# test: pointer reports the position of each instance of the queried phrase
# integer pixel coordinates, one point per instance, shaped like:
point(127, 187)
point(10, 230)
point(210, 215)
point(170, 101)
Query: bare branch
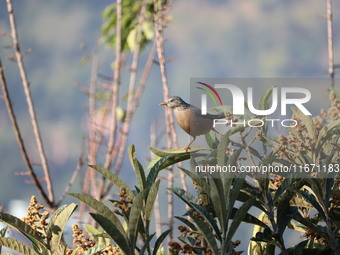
point(330, 40)
point(131, 98)
point(135, 103)
point(170, 126)
point(72, 180)
point(19, 138)
point(31, 110)
point(115, 85)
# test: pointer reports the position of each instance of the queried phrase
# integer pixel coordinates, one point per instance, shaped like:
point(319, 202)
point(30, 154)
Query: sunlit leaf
point(114, 232)
point(17, 246)
point(101, 209)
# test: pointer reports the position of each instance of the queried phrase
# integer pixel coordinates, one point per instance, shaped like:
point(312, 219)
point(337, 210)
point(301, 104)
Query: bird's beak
point(162, 103)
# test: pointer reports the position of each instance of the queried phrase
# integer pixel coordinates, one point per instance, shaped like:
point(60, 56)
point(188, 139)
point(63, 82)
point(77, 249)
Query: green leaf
point(287, 183)
point(112, 230)
point(221, 149)
point(137, 167)
point(146, 244)
point(154, 171)
point(238, 218)
point(199, 180)
point(249, 218)
point(151, 200)
point(53, 218)
point(264, 101)
point(93, 231)
point(59, 250)
point(173, 160)
point(17, 246)
point(218, 200)
point(308, 223)
point(209, 219)
point(326, 133)
point(135, 214)
point(148, 30)
point(211, 139)
point(176, 152)
point(187, 222)
point(163, 163)
point(3, 231)
point(307, 121)
point(95, 249)
point(21, 226)
point(234, 192)
point(207, 233)
point(311, 199)
point(184, 195)
point(114, 179)
point(285, 212)
point(101, 209)
point(131, 39)
point(159, 241)
point(59, 224)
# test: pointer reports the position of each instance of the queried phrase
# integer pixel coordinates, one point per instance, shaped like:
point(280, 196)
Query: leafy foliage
point(223, 201)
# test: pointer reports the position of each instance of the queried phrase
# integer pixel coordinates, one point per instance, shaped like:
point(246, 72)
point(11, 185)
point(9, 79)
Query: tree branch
point(19, 138)
point(31, 110)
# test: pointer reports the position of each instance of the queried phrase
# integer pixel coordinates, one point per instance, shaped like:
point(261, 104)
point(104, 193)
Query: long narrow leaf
point(95, 250)
point(112, 230)
point(160, 240)
point(207, 233)
point(287, 183)
point(114, 179)
point(187, 222)
point(238, 218)
point(311, 199)
point(17, 246)
point(219, 201)
point(146, 244)
point(307, 121)
point(210, 220)
point(151, 200)
point(234, 192)
point(134, 217)
point(101, 209)
point(137, 167)
point(59, 224)
point(21, 226)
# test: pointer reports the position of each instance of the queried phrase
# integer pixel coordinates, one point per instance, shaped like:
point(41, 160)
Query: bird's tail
point(216, 116)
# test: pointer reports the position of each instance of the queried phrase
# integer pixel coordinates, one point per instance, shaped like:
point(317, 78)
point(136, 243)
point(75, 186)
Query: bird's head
point(174, 102)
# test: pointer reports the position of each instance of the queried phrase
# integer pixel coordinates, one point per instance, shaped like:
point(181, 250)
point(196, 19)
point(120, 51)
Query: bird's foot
point(186, 148)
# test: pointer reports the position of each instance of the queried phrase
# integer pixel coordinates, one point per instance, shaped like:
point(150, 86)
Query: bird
point(190, 119)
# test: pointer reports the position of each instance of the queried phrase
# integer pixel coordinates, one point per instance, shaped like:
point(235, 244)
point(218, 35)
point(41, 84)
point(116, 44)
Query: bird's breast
point(193, 122)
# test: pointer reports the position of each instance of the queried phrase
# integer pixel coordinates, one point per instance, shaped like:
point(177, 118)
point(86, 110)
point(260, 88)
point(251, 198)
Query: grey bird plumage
point(190, 119)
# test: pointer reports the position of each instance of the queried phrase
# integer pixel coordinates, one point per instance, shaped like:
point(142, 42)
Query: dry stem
point(31, 110)
point(19, 138)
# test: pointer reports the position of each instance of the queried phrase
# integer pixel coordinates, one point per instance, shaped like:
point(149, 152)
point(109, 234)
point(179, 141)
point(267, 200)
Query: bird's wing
point(197, 112)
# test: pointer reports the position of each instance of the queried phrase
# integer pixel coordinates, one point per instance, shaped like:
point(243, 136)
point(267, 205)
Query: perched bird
point(190, 119)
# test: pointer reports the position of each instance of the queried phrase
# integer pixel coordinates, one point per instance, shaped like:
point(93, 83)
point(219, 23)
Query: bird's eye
point(171, 100)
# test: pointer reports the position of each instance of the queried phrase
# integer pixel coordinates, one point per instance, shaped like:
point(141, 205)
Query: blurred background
point(208, 39)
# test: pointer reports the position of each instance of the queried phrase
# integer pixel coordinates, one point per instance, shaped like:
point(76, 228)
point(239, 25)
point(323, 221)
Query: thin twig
point(129, 112)
point(72, 180)
point(136, 100)
point(330, 41)
point(19, 138)
point(92, 112)
point(170, 126)
point(115, 85)
point(31, 109)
